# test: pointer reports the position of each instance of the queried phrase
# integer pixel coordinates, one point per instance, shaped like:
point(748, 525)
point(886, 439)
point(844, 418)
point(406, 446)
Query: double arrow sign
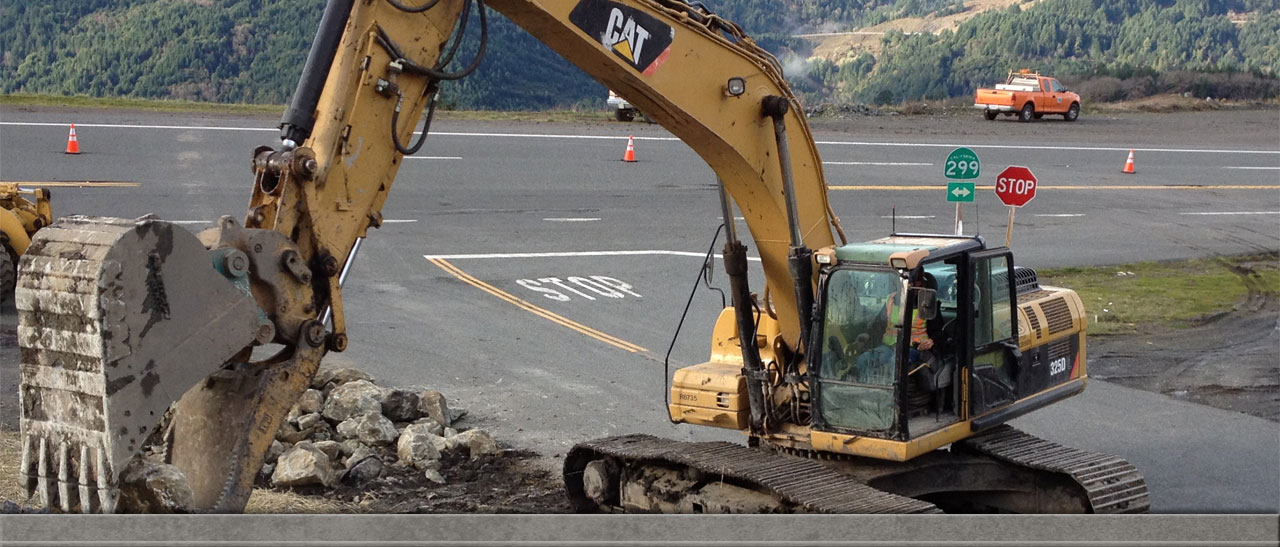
point(962, 163)
point(960, 191)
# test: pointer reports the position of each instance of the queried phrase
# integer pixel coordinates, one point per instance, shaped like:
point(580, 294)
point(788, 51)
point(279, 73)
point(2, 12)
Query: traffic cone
point(631, 150)
point(73, 146)
point(1128, 164)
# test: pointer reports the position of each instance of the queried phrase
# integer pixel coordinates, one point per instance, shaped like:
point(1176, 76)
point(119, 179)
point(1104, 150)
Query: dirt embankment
point(1229, 360)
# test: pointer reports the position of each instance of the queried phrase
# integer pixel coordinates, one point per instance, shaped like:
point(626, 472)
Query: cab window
point(858, 366)
point(1057, 87)
point(994, 319)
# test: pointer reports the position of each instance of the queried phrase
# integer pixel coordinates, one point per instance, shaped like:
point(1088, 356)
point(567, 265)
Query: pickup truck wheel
point(1028, 112)
point(1072, 113)
point(623, 115)
point(990, 114)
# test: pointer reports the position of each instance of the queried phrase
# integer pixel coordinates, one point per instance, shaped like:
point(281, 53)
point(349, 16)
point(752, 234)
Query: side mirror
point(926, 303)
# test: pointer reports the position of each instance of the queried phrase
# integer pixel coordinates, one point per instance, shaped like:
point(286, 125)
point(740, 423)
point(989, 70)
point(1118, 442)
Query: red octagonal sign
point(1015, 186)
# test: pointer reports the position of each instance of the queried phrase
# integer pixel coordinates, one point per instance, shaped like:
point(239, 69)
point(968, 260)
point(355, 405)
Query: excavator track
point(1111, 484)
point(1035, 475)
point(797, 484)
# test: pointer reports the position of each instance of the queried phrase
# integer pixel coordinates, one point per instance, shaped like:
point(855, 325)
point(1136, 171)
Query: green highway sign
point(962, 164)
point(960, 191)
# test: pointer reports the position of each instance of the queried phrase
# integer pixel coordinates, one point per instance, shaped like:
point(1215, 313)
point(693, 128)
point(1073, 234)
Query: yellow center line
point(529, 307)
point(1076, 187)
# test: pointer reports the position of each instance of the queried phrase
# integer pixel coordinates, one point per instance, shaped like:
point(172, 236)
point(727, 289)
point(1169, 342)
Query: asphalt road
point(537, 213)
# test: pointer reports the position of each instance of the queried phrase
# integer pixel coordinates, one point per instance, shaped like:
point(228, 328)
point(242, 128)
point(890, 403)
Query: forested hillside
point(251, 51)
point(1142, 40)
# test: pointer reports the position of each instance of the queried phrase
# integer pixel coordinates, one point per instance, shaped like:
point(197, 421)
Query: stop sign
point(1015, 186)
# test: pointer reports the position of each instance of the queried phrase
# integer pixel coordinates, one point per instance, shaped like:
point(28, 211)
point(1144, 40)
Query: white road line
point(642, 138)
point(573, 254)
point(585, 219)
point(399, 220)
point(133, 126)
point(1234, 213)
point(1026, 147)
point(909, 216)
point(1061, 215)
point(1254, 168)
point(433, 157)
point(872, 163)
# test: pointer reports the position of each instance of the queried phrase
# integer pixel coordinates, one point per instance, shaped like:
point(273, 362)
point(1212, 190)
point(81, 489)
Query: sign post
point(1015, 186)
point(961, 164)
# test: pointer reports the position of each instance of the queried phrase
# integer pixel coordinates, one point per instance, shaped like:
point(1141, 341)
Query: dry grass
point(273, 502)
point(10, 458)
point(262, 501)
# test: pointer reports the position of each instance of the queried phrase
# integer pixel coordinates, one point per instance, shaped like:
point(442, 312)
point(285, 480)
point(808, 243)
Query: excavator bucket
point(117, 320)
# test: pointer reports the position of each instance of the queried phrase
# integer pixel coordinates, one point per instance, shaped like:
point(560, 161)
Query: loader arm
point(119, 318)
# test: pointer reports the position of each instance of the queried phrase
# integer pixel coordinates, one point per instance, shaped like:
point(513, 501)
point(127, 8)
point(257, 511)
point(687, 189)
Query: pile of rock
point(841, 110)
point(346, 430)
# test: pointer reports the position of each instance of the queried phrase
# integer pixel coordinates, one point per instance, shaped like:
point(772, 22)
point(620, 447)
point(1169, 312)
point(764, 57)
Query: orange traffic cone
point(631, 149)
point(73, 146)
point(1128, 164)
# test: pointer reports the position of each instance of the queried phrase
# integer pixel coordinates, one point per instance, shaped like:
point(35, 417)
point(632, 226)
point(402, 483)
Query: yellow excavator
point(20, 217)
point(122, 320)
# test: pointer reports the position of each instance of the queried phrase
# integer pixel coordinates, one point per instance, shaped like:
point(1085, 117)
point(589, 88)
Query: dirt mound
point(1226, 360)
point(511, 481)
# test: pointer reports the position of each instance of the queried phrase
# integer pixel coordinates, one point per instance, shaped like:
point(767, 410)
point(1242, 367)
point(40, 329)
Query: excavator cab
point(879, 300)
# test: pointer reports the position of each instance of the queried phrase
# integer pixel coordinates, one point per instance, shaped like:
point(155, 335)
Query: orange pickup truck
point(1029, 95)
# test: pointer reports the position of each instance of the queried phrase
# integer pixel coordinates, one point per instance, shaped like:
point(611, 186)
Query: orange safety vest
point(918, 331)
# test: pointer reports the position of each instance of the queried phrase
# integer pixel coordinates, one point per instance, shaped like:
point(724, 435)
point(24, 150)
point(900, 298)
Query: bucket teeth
point(70, 477)
point(42, 477)
point(64, 477)
point(107, 492)
point(86, 495)
point(25, 474)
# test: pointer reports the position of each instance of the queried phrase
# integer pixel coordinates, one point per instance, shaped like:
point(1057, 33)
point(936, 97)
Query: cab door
point(1055, 96)
point(993, 334)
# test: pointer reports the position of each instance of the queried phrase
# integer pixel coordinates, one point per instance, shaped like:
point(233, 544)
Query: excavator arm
point(120, 320)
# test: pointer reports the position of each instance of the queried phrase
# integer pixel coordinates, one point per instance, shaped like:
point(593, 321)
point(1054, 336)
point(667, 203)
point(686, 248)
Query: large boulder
point(148, 486)
point(477, 442)
point(416, 448)
point(432, 425)
point(311, 401)
point(302, 465)
point(352, 399)
point(434, 405)
point(347, 430)
point(362, 470)
point(401, 405)
point(374, 429)
point(343, 376)
point(331, 449)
